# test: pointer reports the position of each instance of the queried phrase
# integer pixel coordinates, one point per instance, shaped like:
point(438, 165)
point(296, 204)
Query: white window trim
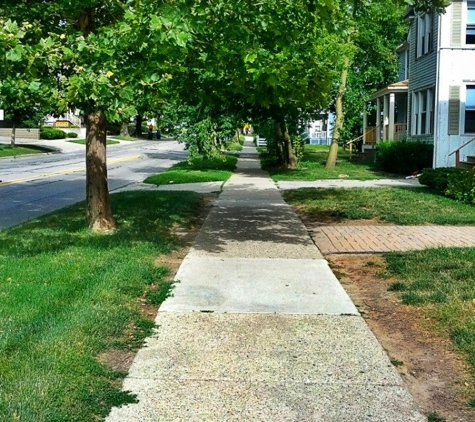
point(424, 35)
point(418, 114)
point(466, 22)
point(463, 101)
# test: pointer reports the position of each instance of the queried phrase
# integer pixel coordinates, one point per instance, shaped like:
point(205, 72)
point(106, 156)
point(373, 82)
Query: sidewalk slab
point(242, 285)
point(218, 367)
point(254, 232)
point(224, 401)
point(264, 348)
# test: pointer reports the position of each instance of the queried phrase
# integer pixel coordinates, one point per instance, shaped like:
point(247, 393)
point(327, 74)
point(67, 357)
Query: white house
point(434, 99)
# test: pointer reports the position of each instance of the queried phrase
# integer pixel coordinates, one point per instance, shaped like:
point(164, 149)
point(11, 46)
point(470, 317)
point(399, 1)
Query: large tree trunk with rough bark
point(340, 117)
point(99, 213)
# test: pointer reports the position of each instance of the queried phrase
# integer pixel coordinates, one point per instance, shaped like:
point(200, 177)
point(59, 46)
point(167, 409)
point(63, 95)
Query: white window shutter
point(454, 110)
point(456, 30)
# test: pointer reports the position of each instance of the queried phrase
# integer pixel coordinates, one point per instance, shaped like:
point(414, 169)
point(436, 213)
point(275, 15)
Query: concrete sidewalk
point(259, 328)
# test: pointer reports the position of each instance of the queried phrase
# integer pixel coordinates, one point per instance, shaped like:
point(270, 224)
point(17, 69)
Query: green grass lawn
point(392, 205)
point(235, 146)
point(198, 170)
point(8, 151)
point(83, 141)
point(442, 283)
point(312, 167)
point(68, 295)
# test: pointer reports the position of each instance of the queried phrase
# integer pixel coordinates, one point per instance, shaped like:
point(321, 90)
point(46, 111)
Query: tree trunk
point(279, 139)
point(13, 135)
point(124, 129)
point(291, 160)
point(99, 213)
point(138, 126)
point(332, 155)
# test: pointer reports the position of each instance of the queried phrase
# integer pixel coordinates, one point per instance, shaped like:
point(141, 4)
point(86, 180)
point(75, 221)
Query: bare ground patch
point(437, 376)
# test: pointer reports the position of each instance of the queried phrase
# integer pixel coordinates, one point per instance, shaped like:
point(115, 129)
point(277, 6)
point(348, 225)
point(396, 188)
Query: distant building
point(320, 132)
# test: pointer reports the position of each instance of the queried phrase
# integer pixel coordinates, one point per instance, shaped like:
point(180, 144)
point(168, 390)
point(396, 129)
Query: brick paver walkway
point(379, 239)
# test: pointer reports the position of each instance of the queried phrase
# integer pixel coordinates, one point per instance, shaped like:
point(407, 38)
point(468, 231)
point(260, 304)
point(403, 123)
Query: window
point(470, 28)
point(424, 34)
point(422, 112)
point(470, 109)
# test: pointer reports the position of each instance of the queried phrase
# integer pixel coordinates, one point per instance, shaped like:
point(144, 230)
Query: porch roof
point(401, 86)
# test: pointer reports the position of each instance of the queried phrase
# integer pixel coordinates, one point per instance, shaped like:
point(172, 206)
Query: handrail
point(353, 140)
point(464, 145)
point(457, 152)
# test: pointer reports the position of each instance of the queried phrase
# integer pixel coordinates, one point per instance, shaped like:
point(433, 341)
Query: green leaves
point(15, 54)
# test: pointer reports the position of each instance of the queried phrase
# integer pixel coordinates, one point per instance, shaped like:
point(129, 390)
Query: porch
point(385, 115)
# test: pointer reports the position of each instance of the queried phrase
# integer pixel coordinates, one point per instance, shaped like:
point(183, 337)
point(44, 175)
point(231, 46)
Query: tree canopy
point(277, 59)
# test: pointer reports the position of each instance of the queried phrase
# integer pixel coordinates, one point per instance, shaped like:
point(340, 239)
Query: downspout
point(437, 119)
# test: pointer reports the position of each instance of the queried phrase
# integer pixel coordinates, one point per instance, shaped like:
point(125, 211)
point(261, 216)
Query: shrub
point(461, 186)
point(438, 179)
point(74, 126)
point(52, 133)
point(71, 135)
point(403, 157)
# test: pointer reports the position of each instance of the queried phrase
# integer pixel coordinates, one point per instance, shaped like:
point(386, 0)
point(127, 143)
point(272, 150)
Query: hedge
point(461, 186)
point(403, 157)
point(52, 133)
point(438, 179)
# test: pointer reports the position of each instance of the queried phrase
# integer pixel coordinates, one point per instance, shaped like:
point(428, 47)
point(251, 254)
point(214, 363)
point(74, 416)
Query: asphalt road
point(36, 185)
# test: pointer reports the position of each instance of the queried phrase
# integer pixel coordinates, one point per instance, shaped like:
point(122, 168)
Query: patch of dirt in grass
point(330, 218)
point(121, 360)
point(438, 378)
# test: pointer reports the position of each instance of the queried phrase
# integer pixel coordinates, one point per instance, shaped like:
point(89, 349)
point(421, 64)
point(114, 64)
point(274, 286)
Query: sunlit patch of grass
point(407, 206)
point(67, 295)
point(197, 170)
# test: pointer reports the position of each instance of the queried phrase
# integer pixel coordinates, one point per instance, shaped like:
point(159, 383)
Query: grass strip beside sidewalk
point(8, 151)
point(69, 295)
point(197, 170)
point(396, 205)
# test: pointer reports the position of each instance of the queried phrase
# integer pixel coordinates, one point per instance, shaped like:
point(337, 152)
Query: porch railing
point(400, 132)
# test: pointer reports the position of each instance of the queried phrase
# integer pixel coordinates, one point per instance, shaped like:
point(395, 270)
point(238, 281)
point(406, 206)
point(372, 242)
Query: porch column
point(385, 118)
point(365, 124)
point(392, 111)
point(378, 119)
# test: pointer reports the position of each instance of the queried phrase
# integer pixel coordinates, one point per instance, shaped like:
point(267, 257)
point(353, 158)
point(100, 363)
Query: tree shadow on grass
point(141, 217)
